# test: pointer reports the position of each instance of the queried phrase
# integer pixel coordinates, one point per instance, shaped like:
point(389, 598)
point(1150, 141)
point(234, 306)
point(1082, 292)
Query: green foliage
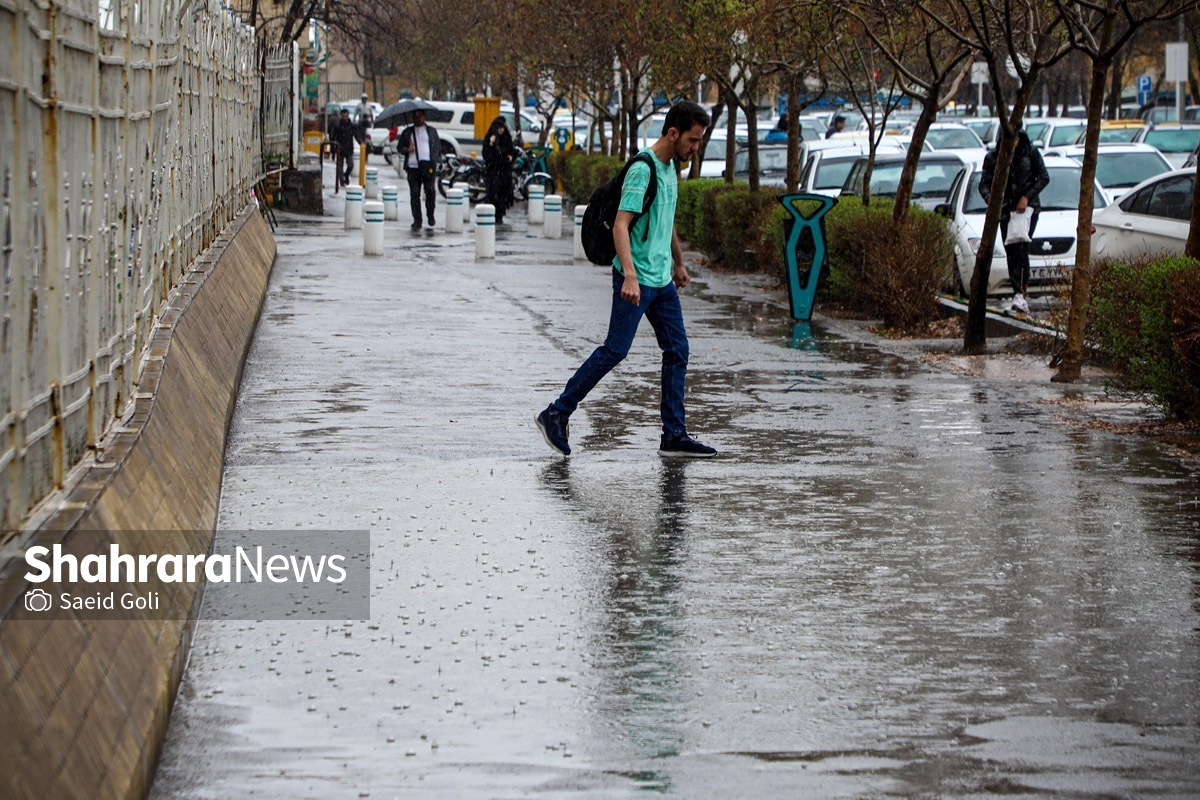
point(1146, 316)
point(887, 269)
point(582, 174)
point(690, 193)
point(740, 214)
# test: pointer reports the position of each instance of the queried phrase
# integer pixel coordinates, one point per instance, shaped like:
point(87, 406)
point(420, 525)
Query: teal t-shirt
point(651, 258)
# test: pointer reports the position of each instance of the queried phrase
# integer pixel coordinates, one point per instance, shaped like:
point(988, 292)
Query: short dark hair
point(685, 115)
point(839, 118)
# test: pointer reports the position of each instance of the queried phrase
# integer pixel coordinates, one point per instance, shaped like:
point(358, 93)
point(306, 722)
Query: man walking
point(346, 136)
point(646, 276)
point(424, 150)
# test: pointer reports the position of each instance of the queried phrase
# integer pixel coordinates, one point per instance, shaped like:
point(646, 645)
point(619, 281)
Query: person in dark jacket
point(498, 158)
point(421, 149)
point(345, 135)
point(1027, 177)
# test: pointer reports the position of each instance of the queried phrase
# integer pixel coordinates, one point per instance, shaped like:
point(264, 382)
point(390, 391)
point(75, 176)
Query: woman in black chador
point(498, 156)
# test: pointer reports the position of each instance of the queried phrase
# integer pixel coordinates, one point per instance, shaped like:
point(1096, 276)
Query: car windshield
point(1180, 140)
point(1034, 130)
point(982, 128)
point(769, 160)
point(933, 178)
point(1111, 135)
point(1065, 134)
point(832, 172)
point(1122, 170)
point(953, 139)
point(1061, 194)
point(715, 150)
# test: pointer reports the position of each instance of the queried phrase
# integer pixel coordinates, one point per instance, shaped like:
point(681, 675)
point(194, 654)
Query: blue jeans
point(660, 306)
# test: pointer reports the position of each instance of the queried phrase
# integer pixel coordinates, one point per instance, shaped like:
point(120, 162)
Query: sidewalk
point(895, 580)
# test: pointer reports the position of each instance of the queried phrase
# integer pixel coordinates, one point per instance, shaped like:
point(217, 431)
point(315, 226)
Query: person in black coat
point(498, 150)
point(1027, 177)
point(345, 135)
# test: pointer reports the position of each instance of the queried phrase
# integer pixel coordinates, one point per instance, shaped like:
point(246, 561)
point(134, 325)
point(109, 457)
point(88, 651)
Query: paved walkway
point(895, 581)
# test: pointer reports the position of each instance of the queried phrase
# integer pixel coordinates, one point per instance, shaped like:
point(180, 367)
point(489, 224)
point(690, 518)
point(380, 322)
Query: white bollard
point(552, 227)
point(373, 228)
point(485, 231)
point(391, 202)
point(354, 207)
point(579, 254)
point(455, 203)
point(537, 204)
point(372, 186)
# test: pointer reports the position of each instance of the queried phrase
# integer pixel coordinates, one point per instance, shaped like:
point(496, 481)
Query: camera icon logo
point(37, 600)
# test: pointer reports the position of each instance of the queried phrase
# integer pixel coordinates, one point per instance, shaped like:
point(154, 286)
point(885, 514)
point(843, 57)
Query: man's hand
point(630, 291)
point(680, 276)
point(1022, 204)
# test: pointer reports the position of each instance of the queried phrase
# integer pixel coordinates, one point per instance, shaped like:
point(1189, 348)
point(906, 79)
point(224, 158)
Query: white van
point(458, 120)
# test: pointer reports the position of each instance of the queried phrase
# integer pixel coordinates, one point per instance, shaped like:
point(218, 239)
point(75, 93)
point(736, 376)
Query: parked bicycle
point(530, 167)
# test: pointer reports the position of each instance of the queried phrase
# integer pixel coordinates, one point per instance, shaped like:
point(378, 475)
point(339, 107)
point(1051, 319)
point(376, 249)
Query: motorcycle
point(462, 172)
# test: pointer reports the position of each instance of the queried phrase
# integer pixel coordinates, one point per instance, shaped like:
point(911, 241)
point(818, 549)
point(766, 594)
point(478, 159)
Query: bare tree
point(1021, 37)
point(931, 65)
point(1098, 30)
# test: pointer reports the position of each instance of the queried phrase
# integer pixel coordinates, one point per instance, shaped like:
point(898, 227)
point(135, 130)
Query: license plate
point(1050, 273)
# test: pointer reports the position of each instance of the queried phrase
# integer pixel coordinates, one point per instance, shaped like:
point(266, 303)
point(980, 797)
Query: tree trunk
point(975, 336)
point(1116, 84)
point(793, 133)
point(1192, 248)
point(752, 143)
point(929, 105)
point(1081, 277)
point(730, 133)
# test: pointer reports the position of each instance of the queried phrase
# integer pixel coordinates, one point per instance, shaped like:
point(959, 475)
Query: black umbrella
point(398, 114)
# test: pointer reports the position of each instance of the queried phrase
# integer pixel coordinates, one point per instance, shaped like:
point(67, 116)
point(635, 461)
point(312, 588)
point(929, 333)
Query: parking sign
point(1145, 84)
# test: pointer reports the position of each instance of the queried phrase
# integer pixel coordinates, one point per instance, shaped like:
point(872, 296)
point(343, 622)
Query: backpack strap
point(651, 190)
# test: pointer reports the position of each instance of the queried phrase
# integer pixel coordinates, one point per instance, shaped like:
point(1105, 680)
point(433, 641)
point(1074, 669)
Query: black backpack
point(597, 229)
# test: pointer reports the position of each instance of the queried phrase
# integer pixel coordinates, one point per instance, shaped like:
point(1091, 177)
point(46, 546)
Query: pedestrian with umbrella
point(421, 149)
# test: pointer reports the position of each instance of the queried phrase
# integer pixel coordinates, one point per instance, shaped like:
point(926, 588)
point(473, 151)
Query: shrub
point(887, 269)
point(690, 193)
point(1145, 315)
point(582, 174)
point(739, 216)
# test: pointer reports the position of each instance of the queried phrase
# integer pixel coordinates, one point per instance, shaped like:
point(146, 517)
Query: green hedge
point(582, 174)
point(1146, 316)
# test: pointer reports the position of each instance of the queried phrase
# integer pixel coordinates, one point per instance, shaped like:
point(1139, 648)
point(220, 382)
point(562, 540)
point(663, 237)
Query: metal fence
point(129, 138)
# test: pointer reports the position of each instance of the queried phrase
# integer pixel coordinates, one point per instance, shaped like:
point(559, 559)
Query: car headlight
point(974, 243)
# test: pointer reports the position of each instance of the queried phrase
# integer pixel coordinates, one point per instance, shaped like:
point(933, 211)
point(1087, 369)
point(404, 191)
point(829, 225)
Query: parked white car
point(1151, 219)
point(1119, 167)
point(1054, 131)
point(1176, 141)
point(1052, 254)
point(951, 137)
point(824, 164)
point(986, 128)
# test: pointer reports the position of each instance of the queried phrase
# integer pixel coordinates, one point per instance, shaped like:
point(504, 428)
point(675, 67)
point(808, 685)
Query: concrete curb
point(86, 703)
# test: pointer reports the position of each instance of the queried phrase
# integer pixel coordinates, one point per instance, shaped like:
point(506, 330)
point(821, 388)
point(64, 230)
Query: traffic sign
point(1145, 84)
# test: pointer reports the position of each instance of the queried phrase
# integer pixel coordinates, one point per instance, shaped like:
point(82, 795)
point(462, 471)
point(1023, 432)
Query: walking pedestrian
point(647, 274)
point(1027, 177)
point(498, 159)
point(346, 136)
point(424, 150)
point(362, 111)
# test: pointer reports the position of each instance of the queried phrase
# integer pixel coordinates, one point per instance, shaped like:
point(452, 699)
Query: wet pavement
point(896, 580)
